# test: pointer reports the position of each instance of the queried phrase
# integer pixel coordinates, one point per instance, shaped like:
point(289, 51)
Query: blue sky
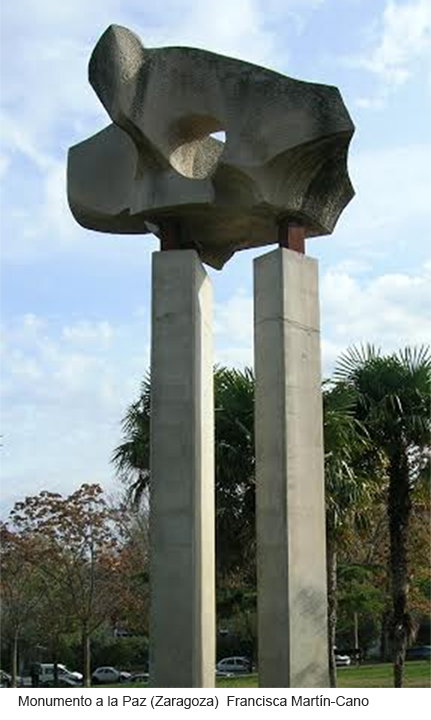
point(75, 304)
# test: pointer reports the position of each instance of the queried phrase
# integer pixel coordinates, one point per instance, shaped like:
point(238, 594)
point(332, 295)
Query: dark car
point(5, 679)
point(420, 652)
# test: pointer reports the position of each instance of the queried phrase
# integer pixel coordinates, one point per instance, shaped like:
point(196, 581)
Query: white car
point(109, 674)
point(342, 660)
point(68, 677)
point(237, 665)
point(139, 677)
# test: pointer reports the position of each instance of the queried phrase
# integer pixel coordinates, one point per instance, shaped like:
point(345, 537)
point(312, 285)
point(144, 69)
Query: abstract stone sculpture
point(280, 176)
point(157, 168)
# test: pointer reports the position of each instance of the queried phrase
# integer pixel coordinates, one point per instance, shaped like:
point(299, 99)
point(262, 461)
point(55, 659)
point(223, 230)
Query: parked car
point(5, 679)
point(140, 677)
point(68, 678)
point(420, 652)
point(108, 674)
point(235, 665)
point(342, 660)
point(62, 682)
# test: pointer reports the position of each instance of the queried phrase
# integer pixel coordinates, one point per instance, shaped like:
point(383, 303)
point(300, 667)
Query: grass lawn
point(417, 675)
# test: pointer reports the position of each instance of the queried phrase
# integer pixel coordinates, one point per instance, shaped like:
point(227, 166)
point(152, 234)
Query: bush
point(125, 653)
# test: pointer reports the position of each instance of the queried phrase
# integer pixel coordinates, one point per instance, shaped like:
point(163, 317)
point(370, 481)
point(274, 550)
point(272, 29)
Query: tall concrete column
point(182, 616)
point(292, 605)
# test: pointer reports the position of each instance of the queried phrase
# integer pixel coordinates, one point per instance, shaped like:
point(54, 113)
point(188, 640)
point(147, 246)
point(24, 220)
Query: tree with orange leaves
point(72, 543)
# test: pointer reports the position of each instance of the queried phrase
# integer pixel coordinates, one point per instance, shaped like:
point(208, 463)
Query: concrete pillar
point(292, 605)
point(182, 615)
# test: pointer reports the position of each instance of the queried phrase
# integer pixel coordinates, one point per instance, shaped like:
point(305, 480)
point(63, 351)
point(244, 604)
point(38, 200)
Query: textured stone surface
point(182, 616)
point(284, 156)
point(290, 509)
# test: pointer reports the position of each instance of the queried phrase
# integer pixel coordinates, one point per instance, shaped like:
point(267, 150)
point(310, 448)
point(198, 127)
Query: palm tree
point(131, 459)
point(348, 492)
point(235, 471)
point(234, 461)
point(393, 401)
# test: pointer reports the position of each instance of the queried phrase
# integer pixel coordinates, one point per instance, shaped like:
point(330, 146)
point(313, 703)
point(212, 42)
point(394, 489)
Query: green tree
point(131, 458)
point(348, 492)
point(394, 402)
point(235, 472)
point(22, 588)
point(361, 601)
point(234, 463)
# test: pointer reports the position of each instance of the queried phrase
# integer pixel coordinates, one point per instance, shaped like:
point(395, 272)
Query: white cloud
point(247, 29)
point(405, 36)
point(4, 164)
point(232, 28)
point(19, 139)
point(391, 311)
point(25, 332)
point(24, 367)
point(93, 363)
point(330, 351)
point(44, 211)
point(33, 323)
point(76, 372)
point(393, 187)
point(235, 356)
point(352, 266)
point(64, 391)
point(371, 103)
point(84, 331)
point(402, 39)
point(233, 330)
point(234, 317)
point(55, 213)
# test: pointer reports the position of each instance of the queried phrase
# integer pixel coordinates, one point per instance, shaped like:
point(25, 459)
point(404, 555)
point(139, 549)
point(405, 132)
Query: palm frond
point(131, 458)
point(416, 358)
point(352, 360)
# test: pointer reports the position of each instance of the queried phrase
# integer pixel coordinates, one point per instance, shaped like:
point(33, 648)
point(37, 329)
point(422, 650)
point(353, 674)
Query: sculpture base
point(182, 615)
point(290, 510)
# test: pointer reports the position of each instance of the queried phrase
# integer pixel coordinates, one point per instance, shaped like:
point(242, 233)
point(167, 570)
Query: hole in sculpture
point(220, 135)
point(200, 148)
